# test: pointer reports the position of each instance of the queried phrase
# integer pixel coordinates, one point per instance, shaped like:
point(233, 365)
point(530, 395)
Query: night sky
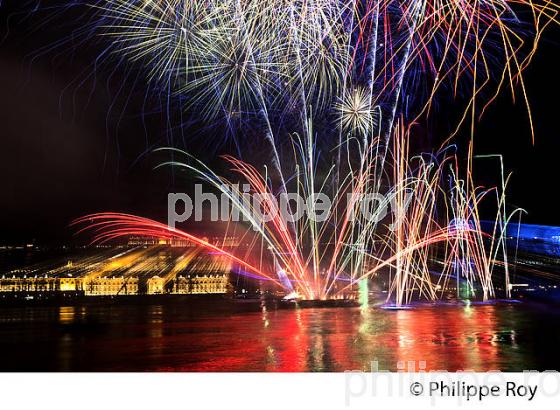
point(71, 145)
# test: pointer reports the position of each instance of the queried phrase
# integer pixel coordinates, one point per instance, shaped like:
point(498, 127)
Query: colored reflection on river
point(174, 338)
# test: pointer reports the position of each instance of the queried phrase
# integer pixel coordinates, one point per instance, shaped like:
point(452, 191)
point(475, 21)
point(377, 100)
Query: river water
point(172, 337)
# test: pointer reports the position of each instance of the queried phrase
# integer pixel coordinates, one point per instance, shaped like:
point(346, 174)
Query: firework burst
point(374, 66)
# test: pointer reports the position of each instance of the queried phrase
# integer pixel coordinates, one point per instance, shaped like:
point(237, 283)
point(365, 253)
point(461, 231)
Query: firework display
point(334, 89)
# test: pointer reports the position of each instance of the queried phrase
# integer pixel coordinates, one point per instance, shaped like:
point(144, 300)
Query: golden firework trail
point(360, 66)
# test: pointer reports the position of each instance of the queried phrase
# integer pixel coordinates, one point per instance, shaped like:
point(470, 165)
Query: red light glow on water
point(172, 338)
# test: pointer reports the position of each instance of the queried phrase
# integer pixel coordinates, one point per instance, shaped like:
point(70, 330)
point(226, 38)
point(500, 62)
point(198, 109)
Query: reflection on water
point(172, 337)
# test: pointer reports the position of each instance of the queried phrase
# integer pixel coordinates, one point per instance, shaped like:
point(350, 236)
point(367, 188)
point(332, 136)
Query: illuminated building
point(29, 284)
point(70, 284)
point(155, 285)
point(201, 285)
point(157, 269)
point(111, 286)
point(227, 241)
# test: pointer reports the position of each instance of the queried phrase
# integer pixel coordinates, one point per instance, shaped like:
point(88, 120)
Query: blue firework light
point(346, 81)
point(247, 60)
